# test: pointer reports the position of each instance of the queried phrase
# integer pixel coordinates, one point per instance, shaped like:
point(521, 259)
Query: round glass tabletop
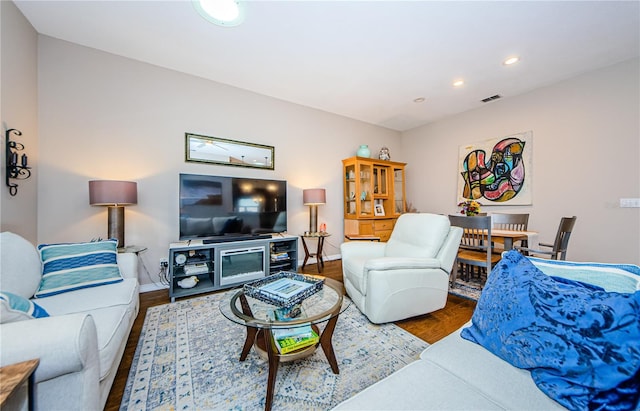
point(319, 307)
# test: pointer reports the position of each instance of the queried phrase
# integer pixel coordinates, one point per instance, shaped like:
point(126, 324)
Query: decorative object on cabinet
point(313, 197)
point(115, 195)
point(222, 151)
point(363, 151)
point(378, 182)
point(15, 171)
point(384, 154)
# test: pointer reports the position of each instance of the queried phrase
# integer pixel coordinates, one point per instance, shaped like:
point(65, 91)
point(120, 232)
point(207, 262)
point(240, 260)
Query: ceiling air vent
point(488, 99)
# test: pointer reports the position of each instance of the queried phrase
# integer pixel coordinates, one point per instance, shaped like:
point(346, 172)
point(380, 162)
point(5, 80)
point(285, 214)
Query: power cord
point(162, 276)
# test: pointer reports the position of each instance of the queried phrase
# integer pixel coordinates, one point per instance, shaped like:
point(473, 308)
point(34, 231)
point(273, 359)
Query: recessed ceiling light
point(511, 60)
point(458, 83)
point(419, 100)
point(226, 13)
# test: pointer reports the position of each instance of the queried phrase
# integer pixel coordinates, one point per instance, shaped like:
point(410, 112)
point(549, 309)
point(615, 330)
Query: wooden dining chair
point(475, 246)
point(512, 222)
point(557, 250)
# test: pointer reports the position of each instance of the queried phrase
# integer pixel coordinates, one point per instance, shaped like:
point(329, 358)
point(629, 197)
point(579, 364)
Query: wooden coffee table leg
point(274, 361)
point(248, 342)
point(251, 331)
point(327, 346)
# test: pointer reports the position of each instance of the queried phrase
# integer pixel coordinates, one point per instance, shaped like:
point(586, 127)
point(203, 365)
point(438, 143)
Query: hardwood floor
point(429, 327)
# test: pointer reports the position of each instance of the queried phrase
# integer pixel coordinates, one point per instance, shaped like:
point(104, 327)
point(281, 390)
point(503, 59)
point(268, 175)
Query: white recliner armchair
point(406, 276)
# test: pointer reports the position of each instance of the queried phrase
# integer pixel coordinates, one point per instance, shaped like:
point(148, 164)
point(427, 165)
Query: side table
point(13, 376)
point(320, 236)
point(136, 249)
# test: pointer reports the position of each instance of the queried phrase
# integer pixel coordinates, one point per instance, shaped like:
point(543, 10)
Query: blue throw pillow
point(72, 266)
point(581, 345)
point(17, 308)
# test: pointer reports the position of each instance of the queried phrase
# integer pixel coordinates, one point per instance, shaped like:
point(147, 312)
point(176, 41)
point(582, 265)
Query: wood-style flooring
point(429, 327)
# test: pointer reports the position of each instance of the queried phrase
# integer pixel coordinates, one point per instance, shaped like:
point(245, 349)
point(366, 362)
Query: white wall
point(107, 117)
point(586, 145)
point(19, 110)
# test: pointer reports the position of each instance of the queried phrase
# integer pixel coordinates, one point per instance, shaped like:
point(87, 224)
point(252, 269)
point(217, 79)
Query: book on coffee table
point(295, 342)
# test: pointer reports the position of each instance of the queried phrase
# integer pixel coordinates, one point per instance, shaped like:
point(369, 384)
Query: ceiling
point(366, 60)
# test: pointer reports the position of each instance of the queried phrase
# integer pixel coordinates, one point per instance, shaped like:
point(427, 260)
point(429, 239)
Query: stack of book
point(279, 256)
point(291, 339)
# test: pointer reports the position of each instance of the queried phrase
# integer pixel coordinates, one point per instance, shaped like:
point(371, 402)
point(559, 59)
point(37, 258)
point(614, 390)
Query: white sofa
point(81, 343)
point(406, 276)
point(457, 374)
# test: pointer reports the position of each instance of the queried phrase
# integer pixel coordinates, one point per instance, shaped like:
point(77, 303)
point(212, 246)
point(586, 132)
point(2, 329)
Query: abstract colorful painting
point(497, 171)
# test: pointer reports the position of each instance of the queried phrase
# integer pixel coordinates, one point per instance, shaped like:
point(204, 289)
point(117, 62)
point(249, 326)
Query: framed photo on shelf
point(378, 210)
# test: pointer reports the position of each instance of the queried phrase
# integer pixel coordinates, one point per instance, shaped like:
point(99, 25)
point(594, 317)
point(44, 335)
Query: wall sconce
point(313, 197)
point(15, 171)
point(115, 195)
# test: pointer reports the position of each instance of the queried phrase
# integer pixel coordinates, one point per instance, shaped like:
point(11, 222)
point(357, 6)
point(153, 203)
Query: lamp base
point(313, 219)
point(115, 224)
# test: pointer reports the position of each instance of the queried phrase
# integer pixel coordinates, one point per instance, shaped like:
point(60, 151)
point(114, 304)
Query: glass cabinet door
point(399, 199)
point(350, 190)
point(365, 196)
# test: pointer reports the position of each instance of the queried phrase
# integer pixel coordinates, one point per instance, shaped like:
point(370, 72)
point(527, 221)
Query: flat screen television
point(212, 207)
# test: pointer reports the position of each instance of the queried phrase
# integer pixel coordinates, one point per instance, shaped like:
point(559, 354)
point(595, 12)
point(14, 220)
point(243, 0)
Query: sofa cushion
point(20, 266)
point(73, 266)
point(581, 345)
point(621, 278)
point(14, 307)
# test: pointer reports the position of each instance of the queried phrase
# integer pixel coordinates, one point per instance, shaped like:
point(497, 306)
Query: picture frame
point(222, 151)
point(378, 209)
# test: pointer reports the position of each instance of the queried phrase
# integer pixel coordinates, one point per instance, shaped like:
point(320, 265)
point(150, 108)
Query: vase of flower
point(363, 151)
point(469, 208)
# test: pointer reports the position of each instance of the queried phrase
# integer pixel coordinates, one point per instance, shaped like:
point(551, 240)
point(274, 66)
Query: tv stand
point(234, 237)
point(230, 262)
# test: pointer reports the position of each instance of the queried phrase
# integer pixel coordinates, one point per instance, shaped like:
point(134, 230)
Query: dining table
point(508, 237)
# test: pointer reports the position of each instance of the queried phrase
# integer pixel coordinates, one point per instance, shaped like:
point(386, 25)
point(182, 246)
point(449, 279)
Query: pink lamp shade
point(111, 192)
point(314, 196)
point(115, 194)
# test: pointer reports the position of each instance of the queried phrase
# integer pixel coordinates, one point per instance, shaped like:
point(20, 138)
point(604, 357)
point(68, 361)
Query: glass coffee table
point(323, 307)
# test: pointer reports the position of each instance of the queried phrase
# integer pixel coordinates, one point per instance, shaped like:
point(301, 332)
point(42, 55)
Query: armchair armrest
point(360, 249)
point(399, 263)
point(64, 344)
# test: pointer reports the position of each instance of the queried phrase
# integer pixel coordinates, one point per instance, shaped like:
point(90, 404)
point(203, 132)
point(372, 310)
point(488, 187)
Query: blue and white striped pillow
point(72, 266)
point(17, 308)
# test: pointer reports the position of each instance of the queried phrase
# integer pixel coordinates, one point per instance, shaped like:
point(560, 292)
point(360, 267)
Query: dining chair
point(475, 245)
point(557, 250)
point(512, 222)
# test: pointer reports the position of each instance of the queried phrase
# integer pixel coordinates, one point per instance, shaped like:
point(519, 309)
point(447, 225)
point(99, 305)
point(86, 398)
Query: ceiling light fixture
point(511, 60)
point(226, 13)
point(458, 83)
point(419, 100)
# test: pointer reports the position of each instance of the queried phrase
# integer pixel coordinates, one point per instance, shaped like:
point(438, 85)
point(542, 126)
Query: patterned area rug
point(187, 358)
point(467, 289)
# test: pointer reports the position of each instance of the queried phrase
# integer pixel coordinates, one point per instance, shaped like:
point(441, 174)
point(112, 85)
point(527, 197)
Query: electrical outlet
point(164, 263)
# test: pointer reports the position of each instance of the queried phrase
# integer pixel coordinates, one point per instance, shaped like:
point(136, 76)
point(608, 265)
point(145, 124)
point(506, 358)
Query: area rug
point(467, 289)
point(187, 358)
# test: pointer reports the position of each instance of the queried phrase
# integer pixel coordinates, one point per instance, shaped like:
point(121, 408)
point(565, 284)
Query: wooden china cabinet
point(374, 196)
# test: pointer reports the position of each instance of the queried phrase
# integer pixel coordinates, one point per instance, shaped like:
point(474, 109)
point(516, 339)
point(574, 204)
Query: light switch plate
point(630, 202)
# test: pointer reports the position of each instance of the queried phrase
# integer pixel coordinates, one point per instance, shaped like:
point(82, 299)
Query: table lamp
point(313, 197)
point(115, 195)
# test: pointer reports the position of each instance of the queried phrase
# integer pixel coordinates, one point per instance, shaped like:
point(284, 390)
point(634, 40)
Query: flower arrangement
point(469, 207)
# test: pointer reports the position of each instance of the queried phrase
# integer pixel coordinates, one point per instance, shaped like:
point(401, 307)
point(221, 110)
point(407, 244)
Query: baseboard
point(145, 288)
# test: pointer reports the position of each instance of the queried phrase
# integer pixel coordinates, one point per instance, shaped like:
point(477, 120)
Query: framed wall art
point(497, 171)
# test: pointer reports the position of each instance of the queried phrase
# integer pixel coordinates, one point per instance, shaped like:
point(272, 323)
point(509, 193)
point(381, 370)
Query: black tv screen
point(213, 206)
